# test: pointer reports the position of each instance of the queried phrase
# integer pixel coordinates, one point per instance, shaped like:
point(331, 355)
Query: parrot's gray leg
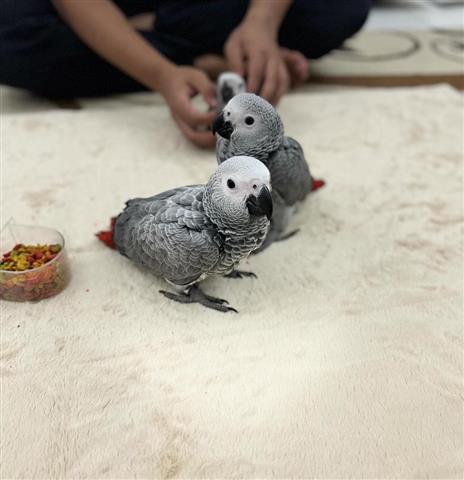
point(240, 274)
point(195, 295)
point(274, 236)
point(263, 246)
point(287, 235)
point(270, 238)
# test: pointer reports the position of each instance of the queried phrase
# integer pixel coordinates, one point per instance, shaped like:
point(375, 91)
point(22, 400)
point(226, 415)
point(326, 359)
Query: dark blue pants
point(40, 53)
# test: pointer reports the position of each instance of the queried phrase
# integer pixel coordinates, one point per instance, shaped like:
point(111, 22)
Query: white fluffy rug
point(346, 357)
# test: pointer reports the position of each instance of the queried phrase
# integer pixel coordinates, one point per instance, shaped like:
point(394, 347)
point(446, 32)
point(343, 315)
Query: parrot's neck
point(237, 235)
point(237, 244)
point(260, 150)
point(237, 227)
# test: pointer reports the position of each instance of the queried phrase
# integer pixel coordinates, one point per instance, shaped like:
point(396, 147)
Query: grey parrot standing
point(189, 233)
point(249, 125)
point(229, 84)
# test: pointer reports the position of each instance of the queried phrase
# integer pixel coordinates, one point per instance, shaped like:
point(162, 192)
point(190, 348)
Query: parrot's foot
point(287, 235)
point(195, 295)
point(240, 274)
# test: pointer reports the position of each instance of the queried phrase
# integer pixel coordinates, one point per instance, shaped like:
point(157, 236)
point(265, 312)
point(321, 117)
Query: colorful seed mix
point(28, 273)
point(27, 257)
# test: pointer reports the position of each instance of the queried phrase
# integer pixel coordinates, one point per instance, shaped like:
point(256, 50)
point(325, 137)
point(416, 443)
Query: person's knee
point(353, 19)
point(315, 28)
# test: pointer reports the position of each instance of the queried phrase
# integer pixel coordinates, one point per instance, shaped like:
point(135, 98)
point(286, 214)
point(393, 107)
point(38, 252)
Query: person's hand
point(252, 51)
point(178, 85)
point(297, 65)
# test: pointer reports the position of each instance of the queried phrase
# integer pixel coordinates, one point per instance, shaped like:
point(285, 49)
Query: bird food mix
point(33, 272)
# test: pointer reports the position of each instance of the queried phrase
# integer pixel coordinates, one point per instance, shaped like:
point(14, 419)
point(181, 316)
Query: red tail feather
point(317, 184)
point(107, 236)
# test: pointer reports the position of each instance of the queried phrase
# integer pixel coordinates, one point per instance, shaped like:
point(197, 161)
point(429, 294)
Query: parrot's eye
point(228, 114)
point(230, 183)
point(249, 120)
point(254, 187)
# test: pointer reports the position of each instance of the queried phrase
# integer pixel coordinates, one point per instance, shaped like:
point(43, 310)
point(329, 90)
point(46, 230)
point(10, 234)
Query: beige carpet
point(395, 58)
point(346, 358)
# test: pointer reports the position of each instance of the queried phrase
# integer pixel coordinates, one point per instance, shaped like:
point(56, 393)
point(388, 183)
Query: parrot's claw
point(240, 274)
point(221, 301)
point(195, 295)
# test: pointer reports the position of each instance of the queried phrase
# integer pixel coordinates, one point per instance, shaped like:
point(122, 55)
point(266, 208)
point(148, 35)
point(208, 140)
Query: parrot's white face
point(239, 184)
point(245, 121)
point(241, 188)
point(249, 120)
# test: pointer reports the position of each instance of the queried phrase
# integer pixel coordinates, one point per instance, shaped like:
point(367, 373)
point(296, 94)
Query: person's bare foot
point(297, 65)
point(212, 65)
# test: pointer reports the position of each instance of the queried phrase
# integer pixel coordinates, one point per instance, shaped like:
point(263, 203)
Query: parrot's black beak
point(222, 127)
point(260, 205)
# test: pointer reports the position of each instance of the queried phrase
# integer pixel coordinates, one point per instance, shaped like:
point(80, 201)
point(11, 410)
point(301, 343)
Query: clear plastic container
point(37, 283)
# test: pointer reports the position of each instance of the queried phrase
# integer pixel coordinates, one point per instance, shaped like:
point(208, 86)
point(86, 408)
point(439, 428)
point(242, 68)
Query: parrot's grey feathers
point(290, 172)
point(164, 195)
point(251, 126)
point(170, 234)
point(188, 233)
point(222, 149)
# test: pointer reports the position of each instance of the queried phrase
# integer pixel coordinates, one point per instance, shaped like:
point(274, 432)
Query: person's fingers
point(202, 84)
point(284, 83)
point(202, 139)
point(271, 80)
point(234, 56)
point(304, 70)
point(298, 65)
point(303, 63)
point(255, 71)
point(185, 110)
point(301, 66)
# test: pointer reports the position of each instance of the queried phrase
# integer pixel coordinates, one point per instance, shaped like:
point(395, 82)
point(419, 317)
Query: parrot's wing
point(290, 173)
point(222, 149)
point(170, 234)
point(174, 193)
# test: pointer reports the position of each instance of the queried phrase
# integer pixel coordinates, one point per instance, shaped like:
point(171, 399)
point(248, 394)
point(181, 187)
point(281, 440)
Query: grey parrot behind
point(188, 233)
point(229, 84)
point(249, 125)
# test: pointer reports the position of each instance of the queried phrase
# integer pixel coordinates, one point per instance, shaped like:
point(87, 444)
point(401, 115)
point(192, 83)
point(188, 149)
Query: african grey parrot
point(229, 84)
point(188, 233)
point(249, 125)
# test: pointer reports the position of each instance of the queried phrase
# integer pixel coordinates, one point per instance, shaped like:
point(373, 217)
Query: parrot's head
point(229, 84)
point(238, 194)
point(250, 122)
